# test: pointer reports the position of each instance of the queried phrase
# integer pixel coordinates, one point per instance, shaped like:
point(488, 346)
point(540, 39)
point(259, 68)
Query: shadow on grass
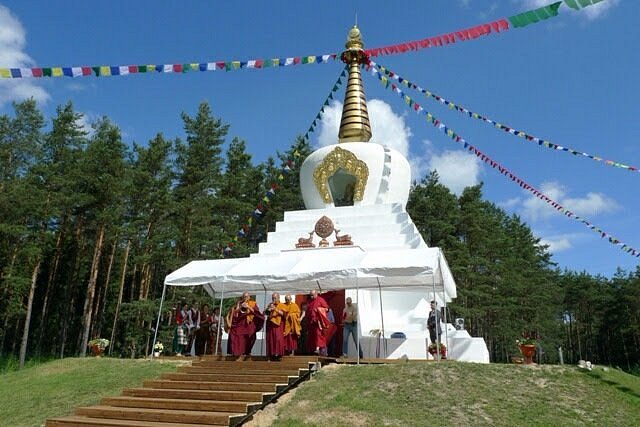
point(620, 387)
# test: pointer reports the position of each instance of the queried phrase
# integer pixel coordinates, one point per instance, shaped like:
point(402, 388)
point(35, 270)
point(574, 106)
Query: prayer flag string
point(526, 136)
point(516, 21)
point(495, 165)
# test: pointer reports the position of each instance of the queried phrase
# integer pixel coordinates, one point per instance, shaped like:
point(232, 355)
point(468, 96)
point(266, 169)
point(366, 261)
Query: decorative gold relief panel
point(341, 159)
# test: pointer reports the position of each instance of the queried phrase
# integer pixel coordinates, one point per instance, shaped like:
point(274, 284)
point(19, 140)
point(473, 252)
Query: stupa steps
point(380, 239)
point(342, 212)
point(364, 219)
point(247, 397)
point(158, 415)
point(180, 404)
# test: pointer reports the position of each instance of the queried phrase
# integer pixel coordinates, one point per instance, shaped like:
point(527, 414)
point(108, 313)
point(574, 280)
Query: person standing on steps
point(350, 326)
point(433, 323)
point(275, 315)
point(245, 321)
point(292, 326)
point(317, 309)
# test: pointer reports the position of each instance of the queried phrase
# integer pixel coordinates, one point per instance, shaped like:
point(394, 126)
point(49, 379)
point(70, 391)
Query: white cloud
point(387, 128)
point(557, 244)
point(12, 55)
point(590, 205)
point(86, 121)
point(590, 12)
point(456, 169)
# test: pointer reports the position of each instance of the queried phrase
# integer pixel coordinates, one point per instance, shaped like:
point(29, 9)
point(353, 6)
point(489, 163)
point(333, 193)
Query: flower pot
point(156, 354)
point(528, 351)
point(96, 350)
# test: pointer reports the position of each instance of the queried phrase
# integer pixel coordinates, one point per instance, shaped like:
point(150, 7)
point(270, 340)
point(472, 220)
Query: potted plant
point(98, 346)
point(433, 350)
point(158, 349)
point(527, 345)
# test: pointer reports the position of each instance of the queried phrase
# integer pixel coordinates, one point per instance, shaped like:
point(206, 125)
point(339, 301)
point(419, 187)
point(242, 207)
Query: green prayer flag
point(46, 72)
point(572, 4)
point(142, 68)
point(326, 102)
point(186, 68)
point(305, 59)
point(267, 63)
point(584, 3)
point(335, 88)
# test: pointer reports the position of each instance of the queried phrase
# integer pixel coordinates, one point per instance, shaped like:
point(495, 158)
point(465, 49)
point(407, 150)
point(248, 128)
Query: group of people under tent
point(289, 328)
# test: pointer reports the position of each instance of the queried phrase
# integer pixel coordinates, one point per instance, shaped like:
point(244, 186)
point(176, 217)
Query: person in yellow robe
point(292, 325)
point(275, 313)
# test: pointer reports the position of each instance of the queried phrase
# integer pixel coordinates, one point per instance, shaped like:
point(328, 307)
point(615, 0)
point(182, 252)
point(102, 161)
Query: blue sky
point(571, 80)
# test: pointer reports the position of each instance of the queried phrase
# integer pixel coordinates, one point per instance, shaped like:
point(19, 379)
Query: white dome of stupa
point(354, 172)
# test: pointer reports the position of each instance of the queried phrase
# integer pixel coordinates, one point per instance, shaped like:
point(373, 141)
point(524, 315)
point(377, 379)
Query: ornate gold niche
point(341, 159)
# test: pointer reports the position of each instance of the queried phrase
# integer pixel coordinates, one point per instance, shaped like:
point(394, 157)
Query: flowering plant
point(101, 343)
point(434, 346)
point(528, 338)
point(159, 347)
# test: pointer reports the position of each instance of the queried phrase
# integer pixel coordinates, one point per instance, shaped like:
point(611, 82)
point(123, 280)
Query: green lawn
point(30, 396)
point(419, 394)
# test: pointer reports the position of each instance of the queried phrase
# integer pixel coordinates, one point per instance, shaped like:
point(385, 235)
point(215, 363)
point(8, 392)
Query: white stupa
point(354, 235)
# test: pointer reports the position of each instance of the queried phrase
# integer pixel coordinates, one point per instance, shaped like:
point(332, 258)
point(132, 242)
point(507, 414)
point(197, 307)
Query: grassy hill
point(409, 394)
point(419, 394)
point(30, 396)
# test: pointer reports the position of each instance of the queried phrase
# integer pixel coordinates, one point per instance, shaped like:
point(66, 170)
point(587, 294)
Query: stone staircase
point(212, 391)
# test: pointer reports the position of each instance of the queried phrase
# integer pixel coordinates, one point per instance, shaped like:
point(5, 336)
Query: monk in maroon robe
point(245, 320)
point(275, 314)
point(318, 322)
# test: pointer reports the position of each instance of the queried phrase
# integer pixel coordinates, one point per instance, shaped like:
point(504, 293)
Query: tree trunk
point(52, 276)
point(102, 301)
point(5, 291)
point(27, 321)
point(91, 290)
point(120, 292)
point(68, 288)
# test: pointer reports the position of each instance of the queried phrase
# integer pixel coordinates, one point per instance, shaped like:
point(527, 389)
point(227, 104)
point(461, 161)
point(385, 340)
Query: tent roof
point(325, 269)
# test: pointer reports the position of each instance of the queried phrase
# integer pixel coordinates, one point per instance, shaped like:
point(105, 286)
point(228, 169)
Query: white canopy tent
point(324, 269)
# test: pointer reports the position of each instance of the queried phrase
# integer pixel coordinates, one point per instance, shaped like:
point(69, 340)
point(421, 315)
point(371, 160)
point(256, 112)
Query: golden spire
point(354, 124)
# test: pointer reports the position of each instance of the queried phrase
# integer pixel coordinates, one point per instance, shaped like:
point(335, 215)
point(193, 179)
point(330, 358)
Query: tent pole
point(384, 341)
point(433, 283)
point(358, 320)
point(155, 334)
point(220, 320)
point(444, 302)
point(264, 327)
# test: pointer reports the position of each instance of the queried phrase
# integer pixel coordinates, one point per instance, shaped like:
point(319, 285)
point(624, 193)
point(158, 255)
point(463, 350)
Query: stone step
point(231, 378)
point(157, 415)
point(217, 395)
point(180, 404)
point(212, 385)
point(81, 421)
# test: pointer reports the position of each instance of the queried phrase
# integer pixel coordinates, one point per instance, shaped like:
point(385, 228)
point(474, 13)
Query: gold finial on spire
point(354, 124)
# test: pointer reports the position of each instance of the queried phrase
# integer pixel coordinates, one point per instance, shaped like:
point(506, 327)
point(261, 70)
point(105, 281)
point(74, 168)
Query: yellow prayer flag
point(235, 64)
point(5, 73)
point(56, 71)
point(105, 71)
